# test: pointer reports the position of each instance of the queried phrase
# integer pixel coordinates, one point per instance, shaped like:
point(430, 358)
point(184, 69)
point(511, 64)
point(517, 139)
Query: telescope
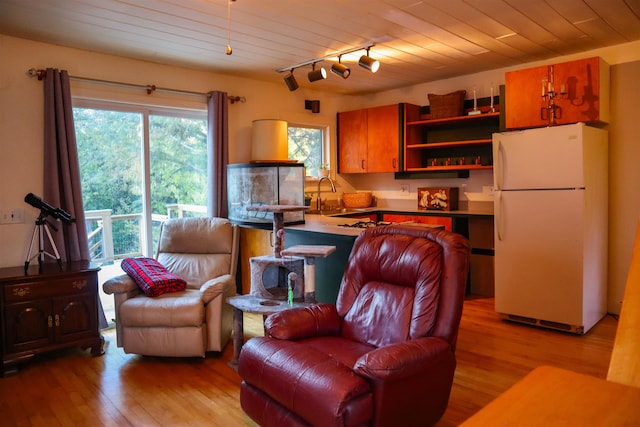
point(47, 209)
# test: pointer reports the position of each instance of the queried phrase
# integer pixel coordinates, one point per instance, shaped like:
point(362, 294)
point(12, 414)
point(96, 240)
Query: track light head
point(340, 69)
point(315, 75)
point(291, 82)
point(369, 63)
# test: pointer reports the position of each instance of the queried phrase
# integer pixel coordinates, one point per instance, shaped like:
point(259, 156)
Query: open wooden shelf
point(450, 168)
point(431, 145)
point(453, 120)
point(451, 139)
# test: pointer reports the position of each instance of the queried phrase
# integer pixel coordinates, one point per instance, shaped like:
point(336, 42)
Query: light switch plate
point(12, 216)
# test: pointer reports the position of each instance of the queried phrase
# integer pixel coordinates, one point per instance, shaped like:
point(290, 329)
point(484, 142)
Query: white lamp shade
point(269, 140)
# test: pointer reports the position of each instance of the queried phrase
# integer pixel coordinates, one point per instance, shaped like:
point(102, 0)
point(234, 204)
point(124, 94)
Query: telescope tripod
point(42, 227)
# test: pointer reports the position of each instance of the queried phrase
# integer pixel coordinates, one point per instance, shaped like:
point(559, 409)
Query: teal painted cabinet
point(329, 270)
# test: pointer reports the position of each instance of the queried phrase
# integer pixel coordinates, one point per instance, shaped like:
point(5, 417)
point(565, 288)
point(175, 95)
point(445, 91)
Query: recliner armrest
point(306, 322)
point(404, 359)
point(216, 286)
point(121, 284)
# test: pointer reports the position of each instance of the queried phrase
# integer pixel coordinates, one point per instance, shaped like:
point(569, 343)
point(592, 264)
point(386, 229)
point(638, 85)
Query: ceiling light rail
point(40, 74)
point(337, 68)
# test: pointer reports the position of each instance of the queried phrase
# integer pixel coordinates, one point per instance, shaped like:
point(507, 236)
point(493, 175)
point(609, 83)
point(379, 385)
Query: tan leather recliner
point(204, 252)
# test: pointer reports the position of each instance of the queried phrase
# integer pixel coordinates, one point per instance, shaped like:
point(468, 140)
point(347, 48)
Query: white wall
point(624, 175)
point(21, 126)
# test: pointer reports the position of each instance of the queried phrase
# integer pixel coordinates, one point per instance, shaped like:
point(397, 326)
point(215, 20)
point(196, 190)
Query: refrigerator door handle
point(499, 221)
point(497, 166)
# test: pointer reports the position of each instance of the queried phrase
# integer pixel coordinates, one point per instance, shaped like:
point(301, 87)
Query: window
point(307, 145)
point(139, 167)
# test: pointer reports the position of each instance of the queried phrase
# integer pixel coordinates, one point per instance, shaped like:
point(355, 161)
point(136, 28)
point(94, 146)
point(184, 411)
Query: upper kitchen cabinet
point(577, 91)
point(352, 141)
point(370, 140)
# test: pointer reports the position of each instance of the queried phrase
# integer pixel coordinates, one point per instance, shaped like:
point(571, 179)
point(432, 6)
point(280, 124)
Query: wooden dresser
point(48, 310)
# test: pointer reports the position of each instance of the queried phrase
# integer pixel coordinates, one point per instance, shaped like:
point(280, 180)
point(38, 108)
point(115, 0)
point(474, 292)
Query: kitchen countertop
point(327, 224)
point(457, 212)
point(332, 225)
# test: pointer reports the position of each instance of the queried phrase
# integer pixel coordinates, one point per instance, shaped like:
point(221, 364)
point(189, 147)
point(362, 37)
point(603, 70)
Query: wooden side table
point(251, 304)
point(550, 396)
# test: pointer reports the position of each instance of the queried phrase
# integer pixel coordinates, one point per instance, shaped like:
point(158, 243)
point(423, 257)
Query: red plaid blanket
point(152, 277)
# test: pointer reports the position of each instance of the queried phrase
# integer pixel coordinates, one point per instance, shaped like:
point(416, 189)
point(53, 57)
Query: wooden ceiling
point(416, 41)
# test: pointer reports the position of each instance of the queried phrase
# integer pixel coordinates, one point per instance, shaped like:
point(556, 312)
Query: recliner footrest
point(297, 376)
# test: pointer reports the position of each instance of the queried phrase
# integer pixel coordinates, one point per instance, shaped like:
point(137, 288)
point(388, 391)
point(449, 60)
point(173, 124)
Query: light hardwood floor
point(72, 388)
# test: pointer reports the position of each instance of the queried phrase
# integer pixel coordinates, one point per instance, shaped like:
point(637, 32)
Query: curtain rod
point(33, 72)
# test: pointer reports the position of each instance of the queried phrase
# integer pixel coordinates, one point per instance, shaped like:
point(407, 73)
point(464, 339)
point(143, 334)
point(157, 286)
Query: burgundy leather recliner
point(383, 355)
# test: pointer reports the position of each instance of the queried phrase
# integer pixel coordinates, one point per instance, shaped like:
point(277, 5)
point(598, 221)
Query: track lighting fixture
point(369, 63)
point(340, 69)
point(337, 68)
point(315, 75)
point(291, 82)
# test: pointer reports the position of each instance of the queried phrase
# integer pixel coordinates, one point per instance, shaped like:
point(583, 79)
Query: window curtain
point(218, 153)
point(62, 171)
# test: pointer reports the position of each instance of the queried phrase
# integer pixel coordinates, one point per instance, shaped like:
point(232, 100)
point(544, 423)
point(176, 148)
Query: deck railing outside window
point(114, 237)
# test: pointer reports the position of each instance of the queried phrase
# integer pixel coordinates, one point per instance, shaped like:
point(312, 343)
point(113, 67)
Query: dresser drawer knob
point(79, 284)
point(21, 292)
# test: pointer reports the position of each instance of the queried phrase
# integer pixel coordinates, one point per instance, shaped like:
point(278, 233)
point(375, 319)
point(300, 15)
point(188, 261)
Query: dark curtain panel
point(218, 153)
point(62, 171)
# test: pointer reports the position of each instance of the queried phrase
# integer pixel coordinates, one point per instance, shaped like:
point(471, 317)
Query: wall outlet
point(12, 216)
point(404, 188)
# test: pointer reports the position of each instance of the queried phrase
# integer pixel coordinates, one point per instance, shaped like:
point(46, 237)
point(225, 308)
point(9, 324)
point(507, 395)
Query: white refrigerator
point(551, 226)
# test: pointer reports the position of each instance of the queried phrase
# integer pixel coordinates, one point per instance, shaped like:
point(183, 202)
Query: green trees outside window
point(141, 167)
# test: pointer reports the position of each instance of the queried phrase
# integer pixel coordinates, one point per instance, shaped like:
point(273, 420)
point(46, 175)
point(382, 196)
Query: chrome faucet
point(333, 189)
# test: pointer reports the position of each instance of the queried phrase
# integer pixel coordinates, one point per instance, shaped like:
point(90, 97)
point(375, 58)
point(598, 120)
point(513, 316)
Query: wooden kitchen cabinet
point(48, 310)
point(352, 141)
point(586, 98)
point(384, 129)
point(370, 140)
point(482, 270)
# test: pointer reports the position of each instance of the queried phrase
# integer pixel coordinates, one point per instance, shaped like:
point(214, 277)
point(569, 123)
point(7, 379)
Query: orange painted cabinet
point(446, 221)
point(352, 141)
point(580, 89)
point(370, 140)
